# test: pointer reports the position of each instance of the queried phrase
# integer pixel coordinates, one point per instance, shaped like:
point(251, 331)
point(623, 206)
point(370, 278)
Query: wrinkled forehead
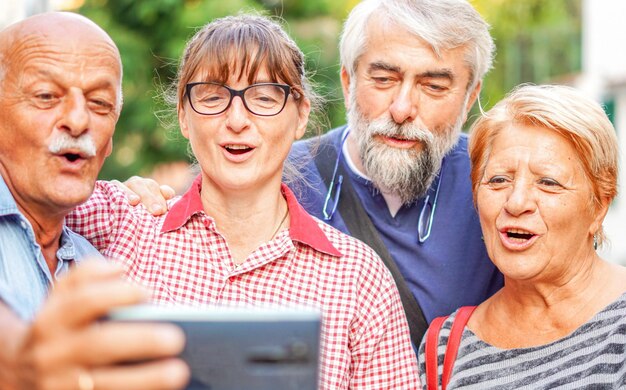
point(59, 36)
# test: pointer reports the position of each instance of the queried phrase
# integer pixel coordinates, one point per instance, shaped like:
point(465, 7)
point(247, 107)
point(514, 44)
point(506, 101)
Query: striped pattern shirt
point(592, 357)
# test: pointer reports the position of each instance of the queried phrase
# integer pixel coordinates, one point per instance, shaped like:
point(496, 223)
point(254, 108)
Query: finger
point(66, 309)
point(89, 271)
point(150, 194)
point(167, 191)
point(161, 375)
point(153, 375)
point(133, 198)
point(111, 342)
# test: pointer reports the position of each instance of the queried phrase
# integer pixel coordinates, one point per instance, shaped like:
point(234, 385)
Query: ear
point(109, 148)
point(304, 109)
point(600, 213)
point(345, 86)
point(182, 122)
point(472, 98)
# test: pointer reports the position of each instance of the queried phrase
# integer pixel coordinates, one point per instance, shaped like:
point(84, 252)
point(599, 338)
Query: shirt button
point(23, 225)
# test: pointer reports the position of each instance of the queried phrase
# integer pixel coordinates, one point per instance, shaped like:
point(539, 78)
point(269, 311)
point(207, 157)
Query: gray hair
point(442, 24)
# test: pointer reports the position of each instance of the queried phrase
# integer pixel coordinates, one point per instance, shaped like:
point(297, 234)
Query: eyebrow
point(383, 66)
point(432, 74)
point(438, 74)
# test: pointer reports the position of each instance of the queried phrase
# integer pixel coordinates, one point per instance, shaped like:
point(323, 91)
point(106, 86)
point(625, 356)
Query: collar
point(303, 227)
point(7, 201)
point(8, 206)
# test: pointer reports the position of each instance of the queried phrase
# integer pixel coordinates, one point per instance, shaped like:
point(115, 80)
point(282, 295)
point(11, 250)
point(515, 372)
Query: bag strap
point(454, 340)
point(360, 226)
point(430, 350)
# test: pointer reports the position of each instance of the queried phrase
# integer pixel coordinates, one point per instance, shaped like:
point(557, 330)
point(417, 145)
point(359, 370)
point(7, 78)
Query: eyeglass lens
point(424, 224)
point(263, 99)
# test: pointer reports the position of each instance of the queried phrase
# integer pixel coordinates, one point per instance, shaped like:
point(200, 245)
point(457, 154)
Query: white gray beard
point(407, 173)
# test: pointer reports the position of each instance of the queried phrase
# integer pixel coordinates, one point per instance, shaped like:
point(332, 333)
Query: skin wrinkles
point(535, 204)
point(65, 78)
point(399, 77)
point(532, 182)
point(61, 90)
point(50, 62)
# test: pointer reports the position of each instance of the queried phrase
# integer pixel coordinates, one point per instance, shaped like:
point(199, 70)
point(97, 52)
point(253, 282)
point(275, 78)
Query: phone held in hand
point(242, 348)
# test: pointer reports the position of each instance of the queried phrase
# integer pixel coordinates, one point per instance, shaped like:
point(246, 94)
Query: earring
point(595, 242)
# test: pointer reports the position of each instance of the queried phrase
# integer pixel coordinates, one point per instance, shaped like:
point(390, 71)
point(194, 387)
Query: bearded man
point(410, 75)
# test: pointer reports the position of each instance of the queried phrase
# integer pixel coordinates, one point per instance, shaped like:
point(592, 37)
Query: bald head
point(69, 31)
point(60, 99)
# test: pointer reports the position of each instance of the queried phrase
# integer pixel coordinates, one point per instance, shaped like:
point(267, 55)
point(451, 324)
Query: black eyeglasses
point(263, 99)
point(427, 214)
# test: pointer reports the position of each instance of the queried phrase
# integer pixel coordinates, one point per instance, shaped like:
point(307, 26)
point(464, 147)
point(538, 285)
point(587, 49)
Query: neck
point(47, 231)
point(544, 312)
point(246, 219)
point(353, 152)
point(47, 223)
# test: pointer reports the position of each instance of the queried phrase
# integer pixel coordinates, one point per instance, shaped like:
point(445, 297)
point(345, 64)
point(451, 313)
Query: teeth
point(237, 147)
point(518, 231)
point(519, 235)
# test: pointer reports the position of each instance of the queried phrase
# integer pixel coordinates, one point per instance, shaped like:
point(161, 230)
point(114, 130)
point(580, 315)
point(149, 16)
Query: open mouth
point(72, 157)
point(237, 149)
point(519, 235)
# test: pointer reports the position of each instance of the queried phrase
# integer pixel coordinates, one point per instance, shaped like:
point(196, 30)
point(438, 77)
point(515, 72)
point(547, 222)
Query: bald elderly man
point(60, 99)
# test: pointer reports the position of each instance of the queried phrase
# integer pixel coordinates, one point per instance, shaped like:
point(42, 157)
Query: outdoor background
point(574, 42)
point(537, 40)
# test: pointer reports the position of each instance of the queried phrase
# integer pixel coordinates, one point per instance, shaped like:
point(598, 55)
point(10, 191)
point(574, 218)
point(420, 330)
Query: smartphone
point(242, 348)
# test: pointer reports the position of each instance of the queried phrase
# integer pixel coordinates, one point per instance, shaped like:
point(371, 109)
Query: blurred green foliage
point(537, 41)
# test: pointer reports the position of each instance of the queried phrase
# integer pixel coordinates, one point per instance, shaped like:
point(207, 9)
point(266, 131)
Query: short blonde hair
point(565, 110)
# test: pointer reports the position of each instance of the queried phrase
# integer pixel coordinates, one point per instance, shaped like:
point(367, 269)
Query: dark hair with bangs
point(239, 45)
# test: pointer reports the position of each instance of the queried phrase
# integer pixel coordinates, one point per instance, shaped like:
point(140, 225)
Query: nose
point(404, 105)
point(237, 118)
point(75, 119)
point(521, 199)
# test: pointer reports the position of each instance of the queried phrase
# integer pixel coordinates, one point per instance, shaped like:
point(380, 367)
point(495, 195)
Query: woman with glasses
point(238, 236)
point(544, 172)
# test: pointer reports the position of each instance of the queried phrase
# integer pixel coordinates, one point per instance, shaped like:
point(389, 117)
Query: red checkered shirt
point(182, 258)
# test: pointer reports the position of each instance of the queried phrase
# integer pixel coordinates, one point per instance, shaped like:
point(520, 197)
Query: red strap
point(432, 342)
point(462, 316)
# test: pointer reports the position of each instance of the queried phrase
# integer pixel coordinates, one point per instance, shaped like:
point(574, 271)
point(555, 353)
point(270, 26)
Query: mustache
point(409, 131)
point(83, 144)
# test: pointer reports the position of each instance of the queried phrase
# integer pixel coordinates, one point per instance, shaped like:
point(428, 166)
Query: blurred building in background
point(603, 77)
point(14, 10)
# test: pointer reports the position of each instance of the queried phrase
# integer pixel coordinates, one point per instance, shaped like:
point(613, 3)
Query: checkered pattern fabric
point(183, 259)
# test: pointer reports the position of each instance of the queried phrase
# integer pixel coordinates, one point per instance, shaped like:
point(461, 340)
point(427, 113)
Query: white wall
point(604, 75)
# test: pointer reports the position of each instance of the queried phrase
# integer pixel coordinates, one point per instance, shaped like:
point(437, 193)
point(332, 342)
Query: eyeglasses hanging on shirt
point(427, 213)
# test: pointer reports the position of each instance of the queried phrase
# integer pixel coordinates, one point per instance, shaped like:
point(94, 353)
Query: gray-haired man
point(411, 71)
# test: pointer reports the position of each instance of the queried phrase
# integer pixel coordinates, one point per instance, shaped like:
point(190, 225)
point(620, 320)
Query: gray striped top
point(592, 357)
